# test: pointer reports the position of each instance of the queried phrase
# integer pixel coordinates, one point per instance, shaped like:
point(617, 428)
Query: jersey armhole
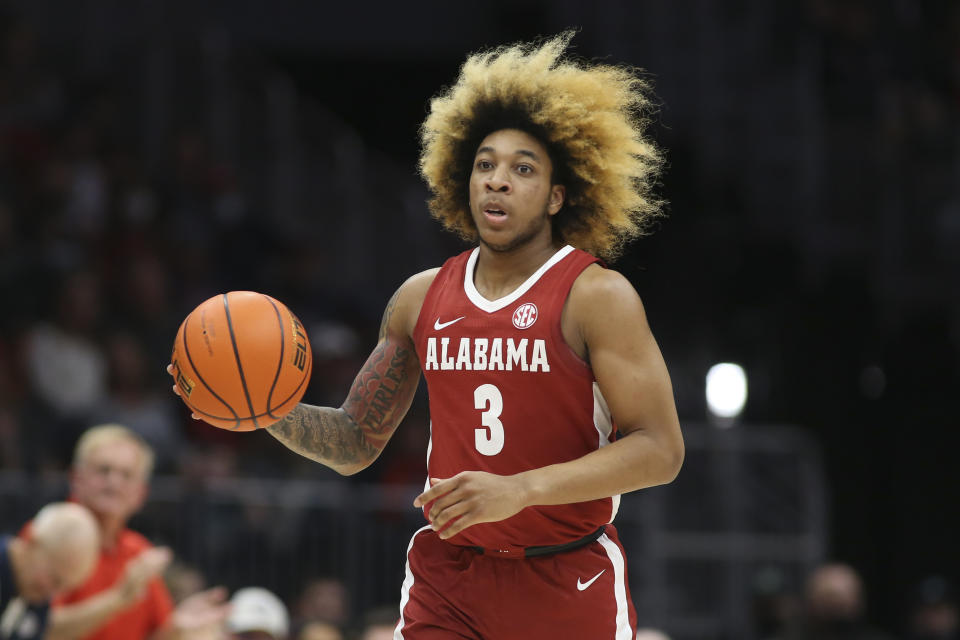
point(429, 299)
point(566, 353)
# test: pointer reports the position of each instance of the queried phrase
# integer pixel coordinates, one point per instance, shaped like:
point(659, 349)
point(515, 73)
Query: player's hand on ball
point(469, 498)
point(177, 391)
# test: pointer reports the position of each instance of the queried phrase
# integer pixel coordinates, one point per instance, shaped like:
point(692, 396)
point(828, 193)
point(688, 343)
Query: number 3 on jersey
point(489, 440)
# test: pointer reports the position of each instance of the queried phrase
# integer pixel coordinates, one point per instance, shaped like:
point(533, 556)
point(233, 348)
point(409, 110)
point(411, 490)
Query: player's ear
point(558, 194)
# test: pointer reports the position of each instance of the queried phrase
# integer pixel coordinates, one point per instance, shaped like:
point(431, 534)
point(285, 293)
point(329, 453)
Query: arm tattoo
point(387, 314)
point(382, 392)
point(352, 437)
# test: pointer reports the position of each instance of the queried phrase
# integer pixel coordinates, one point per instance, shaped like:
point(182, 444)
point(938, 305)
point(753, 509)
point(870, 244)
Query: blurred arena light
point(726, 391)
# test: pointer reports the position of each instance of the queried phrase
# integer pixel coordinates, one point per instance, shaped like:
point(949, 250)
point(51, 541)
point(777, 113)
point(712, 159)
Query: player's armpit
point(629, 368)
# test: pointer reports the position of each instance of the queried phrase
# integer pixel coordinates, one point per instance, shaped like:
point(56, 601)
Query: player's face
point(111, 481)
point(511, 194)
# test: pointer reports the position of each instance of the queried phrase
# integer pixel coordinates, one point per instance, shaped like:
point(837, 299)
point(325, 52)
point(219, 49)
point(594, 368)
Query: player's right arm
point(351, 437)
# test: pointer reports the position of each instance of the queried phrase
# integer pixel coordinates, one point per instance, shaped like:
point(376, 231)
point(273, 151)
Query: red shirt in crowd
point(142, 618)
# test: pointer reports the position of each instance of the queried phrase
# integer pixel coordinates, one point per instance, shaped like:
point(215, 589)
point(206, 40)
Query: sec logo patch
point(525, 315)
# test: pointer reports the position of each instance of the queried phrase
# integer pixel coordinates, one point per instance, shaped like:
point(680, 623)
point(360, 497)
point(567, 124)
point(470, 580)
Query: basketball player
point(58, 555)
point(534, 354)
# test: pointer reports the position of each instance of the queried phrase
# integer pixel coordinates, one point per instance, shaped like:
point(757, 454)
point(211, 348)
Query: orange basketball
point(241, 360)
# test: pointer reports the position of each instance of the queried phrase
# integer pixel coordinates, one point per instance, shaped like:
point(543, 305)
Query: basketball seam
point(186, 351)
point(236, 353)
point(280, 361)
point(305, 378)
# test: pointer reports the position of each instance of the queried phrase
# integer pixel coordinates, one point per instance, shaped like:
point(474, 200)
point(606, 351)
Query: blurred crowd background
point(153, 154)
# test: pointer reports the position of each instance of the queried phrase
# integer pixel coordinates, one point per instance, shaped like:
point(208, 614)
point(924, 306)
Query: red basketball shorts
point(456, 592)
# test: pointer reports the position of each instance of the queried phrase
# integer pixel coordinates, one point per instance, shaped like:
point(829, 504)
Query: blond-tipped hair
point(591, 118)
point(104, 433)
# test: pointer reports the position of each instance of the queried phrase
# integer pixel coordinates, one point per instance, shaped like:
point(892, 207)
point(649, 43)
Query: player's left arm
point(607, 315)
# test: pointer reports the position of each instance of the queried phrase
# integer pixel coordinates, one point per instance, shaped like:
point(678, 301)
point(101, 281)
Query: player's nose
point(498, 182)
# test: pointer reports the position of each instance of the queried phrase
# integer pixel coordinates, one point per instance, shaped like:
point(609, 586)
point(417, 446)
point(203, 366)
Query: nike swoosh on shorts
point(583, 585)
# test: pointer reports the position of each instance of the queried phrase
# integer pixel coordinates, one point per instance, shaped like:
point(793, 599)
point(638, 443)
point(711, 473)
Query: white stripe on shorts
point(407, 583)
point(624, 632)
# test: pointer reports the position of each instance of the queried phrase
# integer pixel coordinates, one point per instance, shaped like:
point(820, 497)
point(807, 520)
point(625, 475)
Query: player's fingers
point(447, 514)
point(175, 390)
point(457, 526)
point(170, 369)
point(438, 489)
point(445, 501)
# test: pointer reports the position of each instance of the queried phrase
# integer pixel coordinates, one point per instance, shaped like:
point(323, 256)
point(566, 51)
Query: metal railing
point(747, 499)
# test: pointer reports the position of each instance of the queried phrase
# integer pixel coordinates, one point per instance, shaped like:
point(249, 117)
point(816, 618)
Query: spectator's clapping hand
point(139, 571)
point(199, 616)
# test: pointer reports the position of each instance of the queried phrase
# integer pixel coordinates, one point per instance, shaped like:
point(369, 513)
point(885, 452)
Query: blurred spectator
point(125, 598)
point(145, 303)
point(10, 428)
point(380, 623)
point(936, 614)
point(137, 403)
point(59, 554)
point(66, 367)
point(32, 95)
point(183, 580)
point(257, 614)
point(834, 605)
point(79, 380)
point(319, 631)
point(324, 599)
point(775, 605)
point(85, 209)
point(651, 634)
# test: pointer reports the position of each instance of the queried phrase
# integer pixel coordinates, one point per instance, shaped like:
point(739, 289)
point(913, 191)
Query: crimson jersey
point(507, 394)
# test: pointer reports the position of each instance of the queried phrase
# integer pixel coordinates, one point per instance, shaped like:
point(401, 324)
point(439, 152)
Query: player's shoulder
point(597, 284)
point(419, 283)
point(402, 311)
point(413, 291)
point(603, 300)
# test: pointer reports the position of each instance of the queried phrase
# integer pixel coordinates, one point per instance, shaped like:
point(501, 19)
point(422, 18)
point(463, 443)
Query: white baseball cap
point(256, 609)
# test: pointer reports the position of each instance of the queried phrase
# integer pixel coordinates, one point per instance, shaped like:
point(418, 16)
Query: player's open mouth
point(495, 214)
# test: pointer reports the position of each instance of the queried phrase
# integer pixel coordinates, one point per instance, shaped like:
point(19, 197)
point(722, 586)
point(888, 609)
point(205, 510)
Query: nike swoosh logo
point(583, 585)
point(441, 325)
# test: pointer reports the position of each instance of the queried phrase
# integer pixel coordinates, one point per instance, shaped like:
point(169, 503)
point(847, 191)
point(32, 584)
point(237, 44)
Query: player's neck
point(498, 273)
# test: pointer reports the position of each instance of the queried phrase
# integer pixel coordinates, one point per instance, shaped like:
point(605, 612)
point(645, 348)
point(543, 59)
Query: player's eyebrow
point(521, 152)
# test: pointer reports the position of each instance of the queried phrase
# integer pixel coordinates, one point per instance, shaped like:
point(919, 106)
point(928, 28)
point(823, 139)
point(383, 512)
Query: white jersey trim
point(624, 632)
point(604, 425)
point(495, 305)
point(405, 589)
point(426, 482)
